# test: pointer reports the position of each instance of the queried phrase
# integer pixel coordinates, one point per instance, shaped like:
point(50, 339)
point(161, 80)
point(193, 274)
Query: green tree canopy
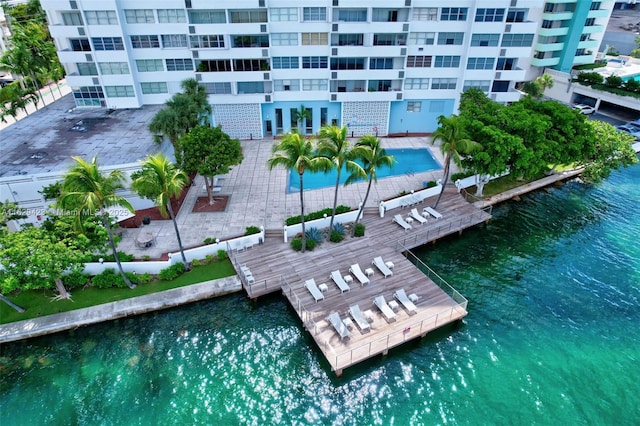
point(210, 152)
point(613, 150)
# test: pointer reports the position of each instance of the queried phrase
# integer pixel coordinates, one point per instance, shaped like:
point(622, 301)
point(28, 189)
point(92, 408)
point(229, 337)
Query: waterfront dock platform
point(275, 267)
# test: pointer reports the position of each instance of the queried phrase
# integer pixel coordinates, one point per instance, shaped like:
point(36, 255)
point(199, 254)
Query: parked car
point(584, 109)
point(630, 127)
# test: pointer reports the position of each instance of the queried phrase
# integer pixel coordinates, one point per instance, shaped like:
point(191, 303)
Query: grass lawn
point(38, 302)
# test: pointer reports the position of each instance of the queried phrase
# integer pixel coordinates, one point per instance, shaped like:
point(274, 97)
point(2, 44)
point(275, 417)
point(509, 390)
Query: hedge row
point(316, 215)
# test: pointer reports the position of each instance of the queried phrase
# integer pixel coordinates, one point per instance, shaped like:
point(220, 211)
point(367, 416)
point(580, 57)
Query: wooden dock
point(276, 267)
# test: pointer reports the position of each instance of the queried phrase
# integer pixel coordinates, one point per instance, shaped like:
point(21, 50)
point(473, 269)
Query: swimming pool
point(408, 161)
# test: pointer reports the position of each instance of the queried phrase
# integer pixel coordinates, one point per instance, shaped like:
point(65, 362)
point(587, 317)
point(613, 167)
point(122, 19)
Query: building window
point(517, 15)
point(352, 15)
point(149, 65)
point(179, 64)
point(390, 39)
point(314, 62)
point(87, 68)
point(443, 83)
point(489, 15)
point(285, 62)
point(453, 14)
point(107, 43)
point(88, 95)
point(101, 17)
point(114, 67)
point(119, 91)
point(315, 39)
point(480, 63)
point(447, 62)
point(80, 45)
point(72, 18)
point(381, 63)
point(421, 38)
point(171, 16)
point(500, 86)
point(414, 106)
point(206, 41)
point(284, 39)
point(315, 84)
point(286, 85)
point(248, 16)
point(595, 5)
point(283, 14)
point(345, 64)
point(250, 41)
point(314, 14)
point(590, 22)
point(450, 38)
point(517, 40)
point(416, 84)
point(217, 88)
point(348, 40)
point(139, 16)
point(425, 14)
point(483, 85)
point(250, 87)
point(154, 88)
point(219, 65)
point(418, 61)
point(506, 64)
point(174, 40)
point(485, 39)
point(207, 17)
point(250, 64)
point(145, 41)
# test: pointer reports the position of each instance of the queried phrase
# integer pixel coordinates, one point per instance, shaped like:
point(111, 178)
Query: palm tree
point(297, 152)
point(299, 115)
point(161, 180)
point(87, 191)
point(335, 146)
point(373, 156)
point(454, 144)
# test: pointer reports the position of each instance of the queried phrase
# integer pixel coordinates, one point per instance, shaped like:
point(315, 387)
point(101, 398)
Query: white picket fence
point(410, 199)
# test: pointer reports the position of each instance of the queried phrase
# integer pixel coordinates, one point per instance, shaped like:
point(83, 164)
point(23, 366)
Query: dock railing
point(434, 230)
point(307, 317)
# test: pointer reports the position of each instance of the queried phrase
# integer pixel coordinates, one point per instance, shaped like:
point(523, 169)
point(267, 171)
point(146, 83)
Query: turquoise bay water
point(408, 161)
point(551, 338)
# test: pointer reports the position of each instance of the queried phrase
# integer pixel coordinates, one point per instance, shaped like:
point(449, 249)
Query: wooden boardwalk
point(275, 267)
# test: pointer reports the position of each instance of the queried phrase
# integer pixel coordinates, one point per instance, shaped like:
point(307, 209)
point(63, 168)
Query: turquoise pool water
point(551, 338)
point(408, 161)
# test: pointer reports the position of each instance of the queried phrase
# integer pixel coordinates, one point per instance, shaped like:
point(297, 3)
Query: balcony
point(548, 47)
point(545, 62)
point(550, 32)
point(557, 16)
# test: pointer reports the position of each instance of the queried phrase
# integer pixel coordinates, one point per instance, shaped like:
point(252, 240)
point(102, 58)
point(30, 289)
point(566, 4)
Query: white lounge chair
point(355, 270)
point(313, 289)
point(384, 308)
point(382, 267)
point(337, 323)
point(336, 276)
point(417, 216)
point(432, 212)
point(355, 312)
point(401, 296)
point(400, 221)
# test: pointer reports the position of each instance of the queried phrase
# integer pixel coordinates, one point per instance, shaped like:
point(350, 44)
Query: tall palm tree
point(297, 152)
point(373, 156)
point(161, 180)
point(334, 145)
point(88, 192)
point(455, 143)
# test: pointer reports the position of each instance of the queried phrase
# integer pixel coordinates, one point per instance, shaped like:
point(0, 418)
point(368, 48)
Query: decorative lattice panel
point(365, 118)
point(240, 121)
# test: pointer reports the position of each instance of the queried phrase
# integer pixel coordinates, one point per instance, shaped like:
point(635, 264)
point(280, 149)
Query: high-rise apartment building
point(385, 67)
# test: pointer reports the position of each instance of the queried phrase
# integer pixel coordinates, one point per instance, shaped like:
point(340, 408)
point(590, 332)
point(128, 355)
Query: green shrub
point(314, 234)
point(613, 81)
point(597, 64)
point(209, 259)
point(252, 230)
point(195, 262)
point(172, 272)
point(431, 184)
point(336, 237)
point(296, 244)
point(145, 278)
point(590, 78)
point(632, 85)
point(209, 240)
point(108, 257)
point(106, 279)
point(359, 230)
point(339, 228)
point(222, 254)
point(75, 279)
point(456, 176)
point(317, 215)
